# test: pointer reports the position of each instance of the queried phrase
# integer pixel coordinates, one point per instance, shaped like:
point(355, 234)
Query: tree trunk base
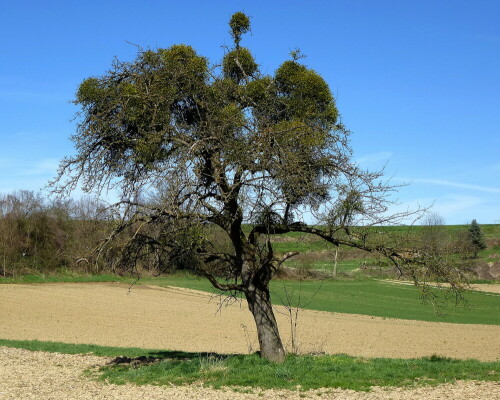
point(271, 347)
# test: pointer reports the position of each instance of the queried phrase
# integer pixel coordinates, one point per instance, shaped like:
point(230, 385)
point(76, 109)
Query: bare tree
point(198, 151)
point(434, 233)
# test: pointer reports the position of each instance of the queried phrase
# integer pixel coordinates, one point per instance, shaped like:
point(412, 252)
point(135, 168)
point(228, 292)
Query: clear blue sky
point(417, 82)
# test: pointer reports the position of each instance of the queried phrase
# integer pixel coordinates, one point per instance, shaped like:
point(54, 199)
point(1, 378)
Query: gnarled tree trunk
point(259, 303)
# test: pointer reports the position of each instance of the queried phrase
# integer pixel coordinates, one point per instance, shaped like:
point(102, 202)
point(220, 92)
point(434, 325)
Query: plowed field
point(179, 319)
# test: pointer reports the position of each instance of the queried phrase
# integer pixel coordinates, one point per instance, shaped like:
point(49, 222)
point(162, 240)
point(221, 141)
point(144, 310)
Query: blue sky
point(417, 82)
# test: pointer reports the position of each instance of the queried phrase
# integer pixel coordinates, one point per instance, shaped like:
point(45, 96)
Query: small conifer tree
point(476, 237)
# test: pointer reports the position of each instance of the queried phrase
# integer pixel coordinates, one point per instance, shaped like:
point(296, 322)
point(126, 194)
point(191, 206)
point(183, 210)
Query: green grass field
point(296, 241)
point(328, 265)
point(310, 372)
point(65, 276)
point(306, 372)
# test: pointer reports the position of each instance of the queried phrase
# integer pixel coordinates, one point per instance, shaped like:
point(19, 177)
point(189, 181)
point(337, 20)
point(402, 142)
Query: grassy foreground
point(303, 372)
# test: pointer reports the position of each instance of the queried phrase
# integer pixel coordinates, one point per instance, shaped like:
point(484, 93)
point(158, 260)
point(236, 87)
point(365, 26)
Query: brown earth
point(179, 319)
point(486, 287)
point(480, 287)
point(42, 376)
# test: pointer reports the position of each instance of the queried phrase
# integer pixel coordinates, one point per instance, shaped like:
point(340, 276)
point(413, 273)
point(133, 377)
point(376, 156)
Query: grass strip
point(297, 372)
point(304, 372)
point(64, 277)
point(68, 348)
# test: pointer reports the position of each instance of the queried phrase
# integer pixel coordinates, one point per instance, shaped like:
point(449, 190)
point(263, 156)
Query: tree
point(475, 238)
point(433, 233)
point(211, 161)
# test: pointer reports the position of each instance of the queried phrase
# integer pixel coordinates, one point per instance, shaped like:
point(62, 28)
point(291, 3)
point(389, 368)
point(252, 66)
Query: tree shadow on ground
point(153, 357)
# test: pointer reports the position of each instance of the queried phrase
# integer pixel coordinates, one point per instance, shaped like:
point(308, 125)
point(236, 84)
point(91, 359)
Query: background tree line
point(39, 235)
point(43, 235)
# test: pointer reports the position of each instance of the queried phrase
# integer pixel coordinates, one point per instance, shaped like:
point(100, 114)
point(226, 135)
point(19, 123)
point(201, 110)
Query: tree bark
point(259, 303)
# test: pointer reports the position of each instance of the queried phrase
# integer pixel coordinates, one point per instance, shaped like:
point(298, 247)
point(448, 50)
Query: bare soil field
point(180, 319)
point(42, 376)
point(485, 287)
point(480, 287)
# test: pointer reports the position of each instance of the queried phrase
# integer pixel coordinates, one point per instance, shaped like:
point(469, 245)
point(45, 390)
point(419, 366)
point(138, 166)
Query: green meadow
point(250, 372)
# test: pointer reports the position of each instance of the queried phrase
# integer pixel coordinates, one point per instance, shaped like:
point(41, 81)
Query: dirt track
point(480, 287)
point(179, 319)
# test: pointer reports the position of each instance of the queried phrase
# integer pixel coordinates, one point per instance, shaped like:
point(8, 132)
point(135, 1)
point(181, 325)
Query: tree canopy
point(195, 147)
